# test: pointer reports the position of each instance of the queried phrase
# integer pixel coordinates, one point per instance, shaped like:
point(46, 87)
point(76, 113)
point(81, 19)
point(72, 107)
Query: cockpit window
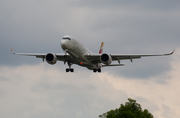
point(66, 38)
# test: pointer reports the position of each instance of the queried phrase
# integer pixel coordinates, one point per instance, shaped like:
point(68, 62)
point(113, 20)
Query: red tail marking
point(100, 51)
point(101, 48)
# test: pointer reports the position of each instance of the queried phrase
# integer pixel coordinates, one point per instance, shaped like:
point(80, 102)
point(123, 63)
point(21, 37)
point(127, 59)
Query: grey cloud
point(145, 4)
point(129, 28)
point(143, 68)
point(150, 105)
point(44, 91)
point(126, 27)
point(4, 79)
point(167, 112)
point(36, 95)
point(2, 92)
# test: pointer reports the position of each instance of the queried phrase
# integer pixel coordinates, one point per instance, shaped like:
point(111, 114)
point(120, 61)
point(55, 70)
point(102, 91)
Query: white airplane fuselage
point(77, 51)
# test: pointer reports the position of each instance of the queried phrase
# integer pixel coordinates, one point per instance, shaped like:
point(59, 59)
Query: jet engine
point(51, 58)
point(106, 59)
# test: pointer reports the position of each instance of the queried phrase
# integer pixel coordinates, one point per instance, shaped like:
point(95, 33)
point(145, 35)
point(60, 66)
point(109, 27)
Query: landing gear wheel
point(99, 70)
point(94, 70)
point(67, 69)
point(72, 70)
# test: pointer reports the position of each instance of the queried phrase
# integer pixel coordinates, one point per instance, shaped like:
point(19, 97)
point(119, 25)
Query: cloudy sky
point(30, 88)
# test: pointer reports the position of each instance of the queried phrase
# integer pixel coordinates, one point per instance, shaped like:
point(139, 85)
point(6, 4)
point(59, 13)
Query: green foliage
point(131, 109)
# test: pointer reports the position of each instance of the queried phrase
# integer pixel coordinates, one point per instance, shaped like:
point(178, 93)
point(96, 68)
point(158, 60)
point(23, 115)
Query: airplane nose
point(63, 44)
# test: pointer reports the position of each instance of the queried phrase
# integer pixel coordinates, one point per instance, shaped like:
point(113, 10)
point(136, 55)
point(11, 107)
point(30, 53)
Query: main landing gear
point(69, 69)
point(97, 70)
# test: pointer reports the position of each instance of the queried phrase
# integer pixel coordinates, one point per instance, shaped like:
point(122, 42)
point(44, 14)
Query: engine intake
point(106, 59)
point(51, 58)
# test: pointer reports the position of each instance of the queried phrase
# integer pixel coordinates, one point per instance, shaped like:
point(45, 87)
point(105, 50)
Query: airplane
point(77, 53)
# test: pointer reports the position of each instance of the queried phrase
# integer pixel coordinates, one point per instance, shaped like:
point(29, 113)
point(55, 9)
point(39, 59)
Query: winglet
point(101, 48)
point(12, 51)
point(171, 52)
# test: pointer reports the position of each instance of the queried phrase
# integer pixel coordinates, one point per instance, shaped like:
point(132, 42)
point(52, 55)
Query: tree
point(131, 109)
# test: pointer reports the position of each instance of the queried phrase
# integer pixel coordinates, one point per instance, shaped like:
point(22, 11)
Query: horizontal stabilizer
point(113, 65)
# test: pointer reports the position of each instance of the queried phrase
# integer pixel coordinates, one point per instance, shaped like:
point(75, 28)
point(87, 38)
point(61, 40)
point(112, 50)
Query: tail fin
point(101, 48)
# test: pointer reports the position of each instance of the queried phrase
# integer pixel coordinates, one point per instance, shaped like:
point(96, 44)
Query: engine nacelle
point(51, 58)
point(106, 59)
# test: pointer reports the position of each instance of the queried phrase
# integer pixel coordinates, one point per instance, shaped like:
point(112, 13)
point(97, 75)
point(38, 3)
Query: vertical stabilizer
point(101, 48)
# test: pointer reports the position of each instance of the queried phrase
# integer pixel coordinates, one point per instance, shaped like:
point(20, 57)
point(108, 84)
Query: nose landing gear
point(69, 69)
point(66, 60)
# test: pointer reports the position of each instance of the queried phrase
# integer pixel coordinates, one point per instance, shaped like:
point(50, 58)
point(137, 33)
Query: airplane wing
point(122, 57)
point(60, 56)
point(95, 58)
